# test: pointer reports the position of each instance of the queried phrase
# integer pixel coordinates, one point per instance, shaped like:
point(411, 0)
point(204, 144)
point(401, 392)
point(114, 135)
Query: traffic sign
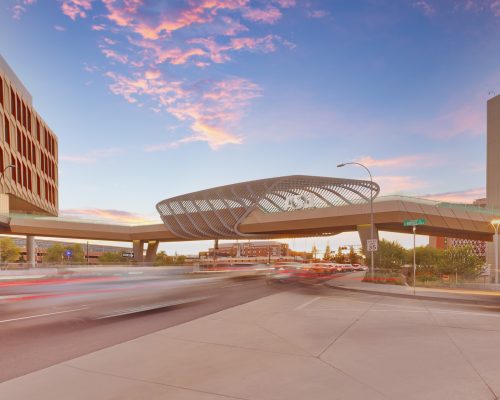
point(128, 254)
point(372, 244)
point(69, 253)
point(414, 222)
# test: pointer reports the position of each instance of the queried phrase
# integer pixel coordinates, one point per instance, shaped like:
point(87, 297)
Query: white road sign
point(372, 244)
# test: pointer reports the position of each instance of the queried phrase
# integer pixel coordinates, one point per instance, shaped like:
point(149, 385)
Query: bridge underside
point(389, 214)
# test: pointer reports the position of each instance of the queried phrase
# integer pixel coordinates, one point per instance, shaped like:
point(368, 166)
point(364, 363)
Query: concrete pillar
point(364, 232)
point(492, 168)
point(151, 250)
point(4, 204)
point(31, 251)
point(138, 248)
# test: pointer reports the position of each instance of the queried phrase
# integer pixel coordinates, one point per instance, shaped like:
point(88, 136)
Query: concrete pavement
point(294, 345)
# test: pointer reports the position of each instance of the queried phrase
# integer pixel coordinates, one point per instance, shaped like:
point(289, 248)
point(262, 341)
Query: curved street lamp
point(496, 223)
point(7, 167)
point(371, 209)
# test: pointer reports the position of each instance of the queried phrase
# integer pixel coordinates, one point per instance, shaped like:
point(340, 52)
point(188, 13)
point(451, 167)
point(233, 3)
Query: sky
point(155, 98)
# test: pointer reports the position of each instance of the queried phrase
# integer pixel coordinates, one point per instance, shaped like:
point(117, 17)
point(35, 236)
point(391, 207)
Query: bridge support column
point(151, 250)
point(138, 248)
point(364, 232)
point(30, 251)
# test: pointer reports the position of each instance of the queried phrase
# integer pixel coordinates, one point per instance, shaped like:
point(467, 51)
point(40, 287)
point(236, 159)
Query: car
point(285, 272)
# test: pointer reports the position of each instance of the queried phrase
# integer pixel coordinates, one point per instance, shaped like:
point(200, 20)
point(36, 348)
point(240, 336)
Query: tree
point(9, 252)
point(163, 259)
point(55, 253)
point(390, 255)
point(110, 257)
point(426, 256)
point(314, 251)
point(328, 253)
point(353, 257)
point(339, 257)
point(77, 254)
point(460, 260)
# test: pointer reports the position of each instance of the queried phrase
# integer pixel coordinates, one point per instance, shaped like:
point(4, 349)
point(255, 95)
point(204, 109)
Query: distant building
point(92, 252)
point(478, 246)
point(443, 243)
point(271, 249)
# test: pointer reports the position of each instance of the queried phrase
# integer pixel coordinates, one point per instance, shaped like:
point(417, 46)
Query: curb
point(419, 297)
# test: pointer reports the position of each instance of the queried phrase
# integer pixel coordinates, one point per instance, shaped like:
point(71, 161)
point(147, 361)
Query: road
point(45, 321)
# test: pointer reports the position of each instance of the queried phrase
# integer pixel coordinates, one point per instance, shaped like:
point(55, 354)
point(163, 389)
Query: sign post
point(414, 223)
point(69, 253)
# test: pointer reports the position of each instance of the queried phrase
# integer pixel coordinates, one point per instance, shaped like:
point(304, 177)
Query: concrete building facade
point(493, 167)
point(30, 147)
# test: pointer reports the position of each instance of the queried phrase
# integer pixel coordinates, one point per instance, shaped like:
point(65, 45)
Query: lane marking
point(14, 277)
point(151, 307)
point(233, 285)
point(307, 303)
point(42, 315)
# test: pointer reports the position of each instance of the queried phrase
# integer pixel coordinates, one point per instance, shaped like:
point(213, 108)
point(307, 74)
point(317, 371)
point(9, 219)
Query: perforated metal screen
point(218, 212)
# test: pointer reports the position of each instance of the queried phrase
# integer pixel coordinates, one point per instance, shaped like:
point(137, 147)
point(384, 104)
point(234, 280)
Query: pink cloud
point(174, 19)
point(218, 53)
point(398, 162)
point(76, 8)
point(169, 32)
point(398, 184)
point(20, 6)
point(268, 15)
point(285, 3)
point(209, 108)
point(317, 14)
point(425, 6)
point(118, 216)
point(463, 196)
point(465, 120)
point(109, 53)
point(232, 27)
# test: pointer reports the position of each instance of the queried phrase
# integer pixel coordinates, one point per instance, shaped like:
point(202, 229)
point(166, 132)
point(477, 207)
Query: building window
point(7, 129)
point(1, 91)
point(19, 141)
point(1, 159)
point(25, 147)
point(25, 176)
point(18, 109)
point(38, 130)
point(23, 114)
point(12, 102)
point(38, 188)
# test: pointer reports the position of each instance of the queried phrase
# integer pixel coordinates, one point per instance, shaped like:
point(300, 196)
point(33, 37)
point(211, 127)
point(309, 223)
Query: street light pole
point(414, 261)
point(496, 223)
point(371, 211)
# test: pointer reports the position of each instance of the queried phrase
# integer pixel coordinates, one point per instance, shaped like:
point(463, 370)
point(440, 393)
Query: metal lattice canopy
point(218, 212)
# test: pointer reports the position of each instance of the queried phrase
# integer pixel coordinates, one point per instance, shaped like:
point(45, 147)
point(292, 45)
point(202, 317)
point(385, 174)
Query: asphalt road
point(50, 320)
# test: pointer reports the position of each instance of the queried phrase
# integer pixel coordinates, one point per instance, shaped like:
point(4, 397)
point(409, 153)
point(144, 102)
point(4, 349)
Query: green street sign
point(414, 222)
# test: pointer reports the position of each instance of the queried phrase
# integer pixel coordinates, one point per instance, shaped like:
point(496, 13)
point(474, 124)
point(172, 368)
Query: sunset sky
point(152, 99)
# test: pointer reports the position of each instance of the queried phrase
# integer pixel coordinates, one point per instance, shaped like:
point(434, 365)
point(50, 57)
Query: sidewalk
point(292, 345)
point(354, 282)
